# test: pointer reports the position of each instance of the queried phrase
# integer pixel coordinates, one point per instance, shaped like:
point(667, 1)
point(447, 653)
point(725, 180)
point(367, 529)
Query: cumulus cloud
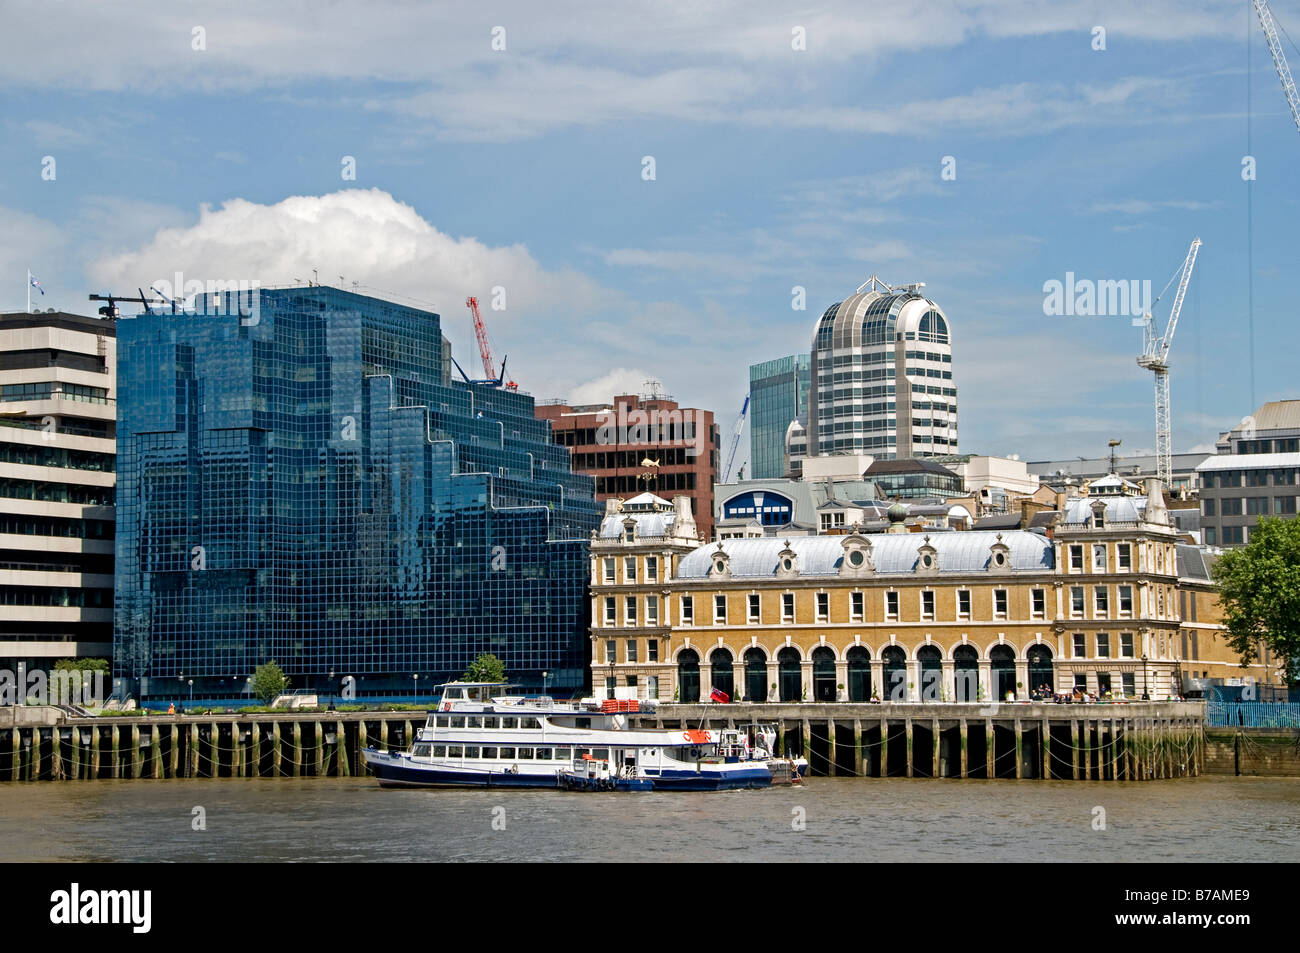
point(561, 329)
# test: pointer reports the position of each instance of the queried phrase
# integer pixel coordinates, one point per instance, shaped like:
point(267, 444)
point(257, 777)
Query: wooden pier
point(1139, 741)
point(1104, 742)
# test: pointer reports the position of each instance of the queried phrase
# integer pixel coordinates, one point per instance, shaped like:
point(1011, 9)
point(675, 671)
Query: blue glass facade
point(305, 483)
point(778, 394)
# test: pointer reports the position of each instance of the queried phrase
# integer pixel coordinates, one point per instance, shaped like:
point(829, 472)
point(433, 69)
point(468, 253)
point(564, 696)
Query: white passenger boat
point(482, 737)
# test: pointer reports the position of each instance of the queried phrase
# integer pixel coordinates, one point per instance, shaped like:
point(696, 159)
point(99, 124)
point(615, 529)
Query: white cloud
point(603, 389)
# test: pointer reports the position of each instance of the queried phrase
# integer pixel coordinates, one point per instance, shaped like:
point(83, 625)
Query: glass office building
point(778, 394)
point(301, 480)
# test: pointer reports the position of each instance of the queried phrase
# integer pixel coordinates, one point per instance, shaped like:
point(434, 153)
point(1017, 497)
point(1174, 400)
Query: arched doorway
point(859, 674)
point(1002, 666)
point(724, 678)
point(823, 660)
point(1041, 673)
point(965, 673)
point(895, 687)
point(790, 678)
point(755, 675)
point(688, 677)
point(931, 687)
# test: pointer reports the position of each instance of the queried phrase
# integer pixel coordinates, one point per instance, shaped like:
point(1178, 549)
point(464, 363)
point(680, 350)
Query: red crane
point(485, 349)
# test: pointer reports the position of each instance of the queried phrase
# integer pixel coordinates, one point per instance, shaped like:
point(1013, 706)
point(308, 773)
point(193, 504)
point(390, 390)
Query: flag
point(35, 284)
point(718, 695)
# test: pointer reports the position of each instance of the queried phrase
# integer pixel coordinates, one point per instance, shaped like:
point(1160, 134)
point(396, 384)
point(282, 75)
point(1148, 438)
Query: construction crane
point(485, 351)
point(735, 441)
point(112, 312)
point(1279, 59)
point(1155, 357)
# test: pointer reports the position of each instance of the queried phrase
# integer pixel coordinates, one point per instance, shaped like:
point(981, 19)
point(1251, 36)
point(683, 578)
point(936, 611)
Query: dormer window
point(927, 557)
point(721, 567)
point(857, 556)
point(999, 554)
point(787, 562)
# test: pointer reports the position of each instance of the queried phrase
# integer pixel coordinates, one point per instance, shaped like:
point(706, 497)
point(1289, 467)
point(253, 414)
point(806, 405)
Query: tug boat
point(482, 737)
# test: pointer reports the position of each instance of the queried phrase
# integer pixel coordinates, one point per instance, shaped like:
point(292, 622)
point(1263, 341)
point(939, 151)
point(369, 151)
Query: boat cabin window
point(440, 751)
point(509, 722)
point(453, 694)
point(492, 722)
point(525, 754)
point(544, 754)
point(455, 751)
point(531, 723)
point(471, 751)
point(442, 721)
point(601, 754)
point(421, 751)
point(475, 721)
point(490, 753)
point(508, 754)
point(458, 721)
point(581, 753)
point(563, 754)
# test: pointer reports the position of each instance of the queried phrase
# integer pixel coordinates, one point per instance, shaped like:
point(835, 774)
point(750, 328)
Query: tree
point(269, 681)
point(485, 668)
point(1259, 590)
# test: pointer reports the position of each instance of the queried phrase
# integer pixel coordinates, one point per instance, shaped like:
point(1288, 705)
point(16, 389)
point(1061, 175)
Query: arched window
point(931, 687)
point(859, 674)
point(724, 678)
point(790, 676)
point(823, 660)
point(1042, 678)
point(965, 673)
point(895, 687)
point(755, 675)
point(688, 677)
point(1003, 670)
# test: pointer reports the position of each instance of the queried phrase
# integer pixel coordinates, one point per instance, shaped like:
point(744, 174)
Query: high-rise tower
point(882, 376)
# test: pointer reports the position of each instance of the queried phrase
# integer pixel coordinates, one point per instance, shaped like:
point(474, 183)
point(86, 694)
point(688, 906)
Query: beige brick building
point(1097, 601)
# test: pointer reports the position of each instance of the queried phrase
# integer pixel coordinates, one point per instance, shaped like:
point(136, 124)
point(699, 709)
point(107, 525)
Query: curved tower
point(882, 376)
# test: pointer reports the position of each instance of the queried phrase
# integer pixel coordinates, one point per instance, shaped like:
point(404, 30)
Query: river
point(1200, 819)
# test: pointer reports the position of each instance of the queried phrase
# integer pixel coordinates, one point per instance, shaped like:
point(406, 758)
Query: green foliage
point(81, 664)
point(269, 681)
point(1259, 590)
point(485, 668)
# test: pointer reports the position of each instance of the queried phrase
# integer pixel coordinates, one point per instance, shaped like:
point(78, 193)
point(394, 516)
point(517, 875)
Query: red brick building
point(620, 443)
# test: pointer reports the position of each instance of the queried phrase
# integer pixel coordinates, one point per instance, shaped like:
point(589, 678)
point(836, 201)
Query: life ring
point(686, 736)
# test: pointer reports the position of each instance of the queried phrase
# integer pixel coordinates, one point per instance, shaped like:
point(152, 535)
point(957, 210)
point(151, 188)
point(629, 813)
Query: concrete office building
point(882, 382)
point(57, 454)
point(1255, 473)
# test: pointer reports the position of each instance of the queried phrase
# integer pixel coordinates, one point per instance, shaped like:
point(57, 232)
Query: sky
point(642, 190)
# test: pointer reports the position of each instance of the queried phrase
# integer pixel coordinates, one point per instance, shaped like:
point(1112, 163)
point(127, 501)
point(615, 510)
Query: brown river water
point(1198, 819)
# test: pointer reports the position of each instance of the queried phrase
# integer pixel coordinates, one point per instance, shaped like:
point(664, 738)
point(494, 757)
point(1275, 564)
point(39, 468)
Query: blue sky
point(775, 167)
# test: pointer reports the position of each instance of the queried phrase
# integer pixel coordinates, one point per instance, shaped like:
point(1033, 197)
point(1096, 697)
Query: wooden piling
point(214, 753)
point(319, 730)
point(76, 753)
point(342, 768)
point(155, 752)
point(16, 761)
point(94, 753)
point(1045, 739)
point(805, 739)
point(34, 759)
point(857, 748)
point(884, 747)
point(830, 731)
point(297, 749)
point(990, 763)
point(255, 764)
point(1020, 757)
point(964, 765)
point(175, 750)
point(136, 765)
point(275, 749)
point(935, 766)
point(56, 755)
point(908, 745)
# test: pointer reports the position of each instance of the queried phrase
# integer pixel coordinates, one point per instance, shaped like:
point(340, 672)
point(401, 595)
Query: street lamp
point(545, 676)
point(331, 687)
point(609, 689)
point(1145, 696)
point(416, 680)
point(191, 691)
